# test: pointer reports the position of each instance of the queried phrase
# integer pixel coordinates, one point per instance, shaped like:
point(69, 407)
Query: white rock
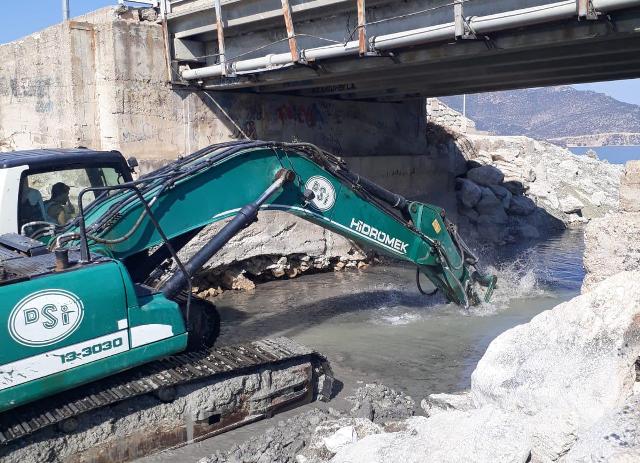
point(571, 205)
point(476, 436)
point(340, 438)
point(569, 168)
point(440, 403)
point(630, 187)
point(615, 438)
point(566, 368)
point(551, 172)
point(612, 245)
point(598, 198)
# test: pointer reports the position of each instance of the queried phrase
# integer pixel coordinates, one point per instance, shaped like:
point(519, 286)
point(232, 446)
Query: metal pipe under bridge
point(397, 50)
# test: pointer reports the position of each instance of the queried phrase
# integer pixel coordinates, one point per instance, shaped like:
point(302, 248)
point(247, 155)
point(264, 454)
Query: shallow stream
point(373, 325)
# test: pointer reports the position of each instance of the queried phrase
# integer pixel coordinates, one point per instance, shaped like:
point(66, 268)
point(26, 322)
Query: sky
point(21, 18)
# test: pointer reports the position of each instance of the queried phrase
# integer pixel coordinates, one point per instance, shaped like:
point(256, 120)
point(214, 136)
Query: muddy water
point(375, 326)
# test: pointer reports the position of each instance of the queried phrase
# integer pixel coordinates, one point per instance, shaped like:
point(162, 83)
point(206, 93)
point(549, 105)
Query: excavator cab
point(41, 187)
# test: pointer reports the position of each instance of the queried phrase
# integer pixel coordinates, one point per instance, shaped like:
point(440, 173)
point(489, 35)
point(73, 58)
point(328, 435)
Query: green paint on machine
point(66, 326)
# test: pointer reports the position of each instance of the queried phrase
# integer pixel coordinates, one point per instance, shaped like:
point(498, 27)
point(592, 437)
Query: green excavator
point(96, 305)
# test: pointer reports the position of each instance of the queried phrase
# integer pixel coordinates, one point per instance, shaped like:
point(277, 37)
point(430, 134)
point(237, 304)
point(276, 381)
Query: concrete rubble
point(243, 274)
point(317, 435)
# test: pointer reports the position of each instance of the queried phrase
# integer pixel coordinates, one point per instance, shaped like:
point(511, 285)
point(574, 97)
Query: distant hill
point(562, 115)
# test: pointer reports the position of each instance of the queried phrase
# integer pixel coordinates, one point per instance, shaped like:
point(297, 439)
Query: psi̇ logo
point(325, 194)
point(45, 317)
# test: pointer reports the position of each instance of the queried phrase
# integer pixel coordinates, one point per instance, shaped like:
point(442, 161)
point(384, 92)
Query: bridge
point(381, 50)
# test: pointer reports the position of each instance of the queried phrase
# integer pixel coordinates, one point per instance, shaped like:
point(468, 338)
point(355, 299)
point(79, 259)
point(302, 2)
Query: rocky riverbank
point(562, 387)
point(514, 188)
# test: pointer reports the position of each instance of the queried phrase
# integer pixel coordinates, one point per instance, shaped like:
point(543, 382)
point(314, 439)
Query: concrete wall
point(101, 81)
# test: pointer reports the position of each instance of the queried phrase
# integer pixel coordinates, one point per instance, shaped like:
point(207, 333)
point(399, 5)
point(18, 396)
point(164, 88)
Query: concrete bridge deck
point(390, 51)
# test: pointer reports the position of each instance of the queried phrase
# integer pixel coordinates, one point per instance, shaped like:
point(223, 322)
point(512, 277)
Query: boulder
point(515, 187)
point(526, 231)
point(502, 194)
point(630, 187)
point(521, 205)
point(611, 246)
point(567, 367)
point(571, 205)
point(471, 214)
point(615, 438)
point(486, 175)
point(489, 203)
point(469, 193)
point(474, 436)
point(331, 436)
point(236, 279)
point(492, 227)
point(381, 404)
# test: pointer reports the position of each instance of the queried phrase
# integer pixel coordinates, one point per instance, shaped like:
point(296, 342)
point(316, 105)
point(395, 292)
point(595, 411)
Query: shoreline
point(600, 146)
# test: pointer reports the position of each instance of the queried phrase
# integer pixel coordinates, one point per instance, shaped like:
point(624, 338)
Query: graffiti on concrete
point(38, 88)
point(309, 114)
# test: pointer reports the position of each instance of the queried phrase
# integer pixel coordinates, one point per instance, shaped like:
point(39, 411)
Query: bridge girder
point(562, 52)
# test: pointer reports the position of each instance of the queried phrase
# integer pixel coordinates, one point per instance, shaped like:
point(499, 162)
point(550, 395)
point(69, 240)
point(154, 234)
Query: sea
point(613, 154)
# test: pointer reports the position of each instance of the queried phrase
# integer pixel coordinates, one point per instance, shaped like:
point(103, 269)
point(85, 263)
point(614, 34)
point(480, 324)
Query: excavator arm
point(145, 222)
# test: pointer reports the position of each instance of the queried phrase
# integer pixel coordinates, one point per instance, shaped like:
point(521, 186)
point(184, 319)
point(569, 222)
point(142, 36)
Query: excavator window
point(52, 196)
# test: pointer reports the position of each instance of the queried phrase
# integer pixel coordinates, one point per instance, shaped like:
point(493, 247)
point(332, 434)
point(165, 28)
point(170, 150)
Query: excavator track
point(218, 362)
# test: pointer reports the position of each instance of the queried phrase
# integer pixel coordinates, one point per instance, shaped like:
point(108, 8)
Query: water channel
point(373, 324)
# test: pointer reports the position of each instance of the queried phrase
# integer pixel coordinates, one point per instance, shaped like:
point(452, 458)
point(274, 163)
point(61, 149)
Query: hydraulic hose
point(245, 217)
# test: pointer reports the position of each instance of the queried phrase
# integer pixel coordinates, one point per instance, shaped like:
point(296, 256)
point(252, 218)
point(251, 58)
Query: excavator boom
point(217, 182)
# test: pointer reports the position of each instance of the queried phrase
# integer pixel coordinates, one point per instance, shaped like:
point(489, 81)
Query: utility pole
point(65, 10)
